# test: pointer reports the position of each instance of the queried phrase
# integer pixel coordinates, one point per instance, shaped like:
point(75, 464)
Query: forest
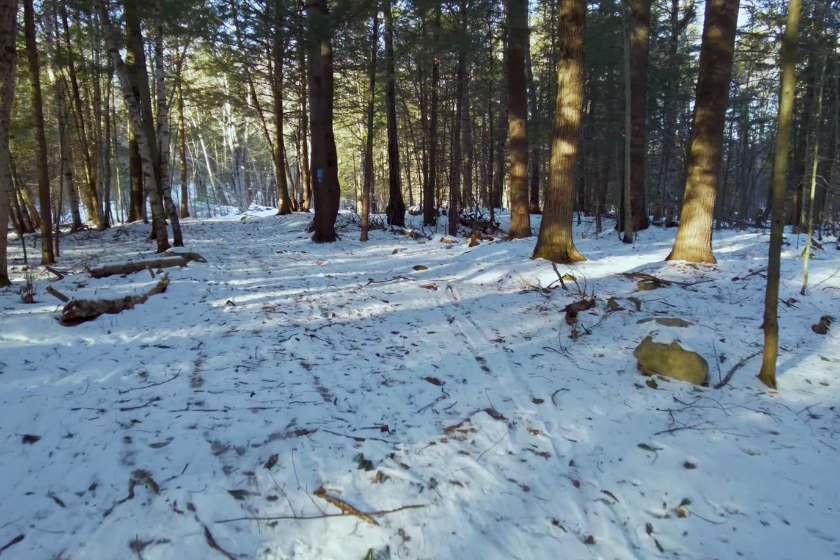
point(478, 278)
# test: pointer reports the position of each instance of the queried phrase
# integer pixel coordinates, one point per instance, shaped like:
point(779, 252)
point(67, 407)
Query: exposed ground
point(410, 372)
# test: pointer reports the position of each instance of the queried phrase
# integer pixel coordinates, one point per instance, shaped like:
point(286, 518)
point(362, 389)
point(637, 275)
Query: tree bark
point(638, 12)
point(163, 136)
point(430, 187)
point(324, 157)
point(555, 241)
point(517, 29)
point(533, 119)
point(694, 237)
point(284, 202)
point(136, 197)
point(395, 211)
point(305, 175)
point(368, 165)
point(182, 134)
point(40, 136)
point(771, 300)
point(455, 179)
point(502, 132)
point(145, 144)
point(8, 58)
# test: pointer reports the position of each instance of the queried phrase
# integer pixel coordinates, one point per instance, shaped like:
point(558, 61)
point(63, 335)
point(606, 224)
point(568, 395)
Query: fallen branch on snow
point(81, 310)
point(137, 266)
point(323, 516)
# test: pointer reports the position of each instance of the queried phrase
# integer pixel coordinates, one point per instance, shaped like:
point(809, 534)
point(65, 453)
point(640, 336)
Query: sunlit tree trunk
point(694, 237)
point(8, 58)
point(555, 241)
point(40, 136)
point(771, 299)
point(368, 165)
point(517, 29)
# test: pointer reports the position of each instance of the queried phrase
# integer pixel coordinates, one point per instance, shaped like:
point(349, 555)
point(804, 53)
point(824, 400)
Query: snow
point(459, 382)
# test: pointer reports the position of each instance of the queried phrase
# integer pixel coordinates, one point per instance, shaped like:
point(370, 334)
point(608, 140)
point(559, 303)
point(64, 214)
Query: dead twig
point(735, 368)
point(211, 542)
point(54, 271)
point(12, 542)
point(324, 516)
point(152, 385)
point(127, 408)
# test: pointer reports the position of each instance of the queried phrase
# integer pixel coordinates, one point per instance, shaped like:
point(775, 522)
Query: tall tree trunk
point(430, 187)
point(812, 191)
point(61, 121)
point(163, 136)
point(182, 133)
point(517, 29)
point(638, 12)
point(8, 58)
point(40, 137)
point(533, 128)
point(395, 211)
point(90, 197)
point(694, 237)
point(285, 204)
point(305, 170)
point(501, 132)
point(368, 165)
point(145, 143)
point(771, 299)
point(626, 218)
point(555, 241)
point(455, 179)
point(324, 157)
point(106, 151)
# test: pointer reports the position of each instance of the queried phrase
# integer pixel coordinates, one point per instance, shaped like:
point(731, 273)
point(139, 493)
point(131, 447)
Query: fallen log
point(81, 310)
point(137, 266)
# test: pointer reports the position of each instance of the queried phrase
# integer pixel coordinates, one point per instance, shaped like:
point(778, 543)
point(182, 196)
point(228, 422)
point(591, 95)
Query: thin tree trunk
point(555, 241)
point(810, 219)
point(430, 187)
point(771, 299)
point(40, 136)
point(694, 237)
point(517, 29)
point(306, 175)
point(533, 120)
point(182, 133)
point(106, 152)
point(395, 211)
point(368, 165)
point(285, 204)
point(455, 180)
point(135, 171)
point(502, 132)
point(8, 58)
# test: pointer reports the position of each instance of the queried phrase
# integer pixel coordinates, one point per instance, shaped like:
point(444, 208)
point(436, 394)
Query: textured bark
point(324, 158)
point(455, 179)
point(106, 149)
point(694, 237)
point(517, 29)
point(395, 211)
point(368, 165)
point(501, 134)
point(284, 205)
point(430, 187)
point(40, 137)
point(771, 300)
point(136, 197)
point(555, 241)
point(163, 136)
point(533, 117)
point(638, 12)
point(8, 58)
point(146, 146)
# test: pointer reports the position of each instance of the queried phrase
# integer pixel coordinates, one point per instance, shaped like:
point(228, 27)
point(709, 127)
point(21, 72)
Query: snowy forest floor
point(408, 372)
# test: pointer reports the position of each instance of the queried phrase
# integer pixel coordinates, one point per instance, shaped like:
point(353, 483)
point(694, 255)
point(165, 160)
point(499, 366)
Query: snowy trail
point(443, 369)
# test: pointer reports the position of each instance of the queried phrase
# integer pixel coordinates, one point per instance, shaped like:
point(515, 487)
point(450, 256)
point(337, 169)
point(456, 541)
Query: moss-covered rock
point(671, 360)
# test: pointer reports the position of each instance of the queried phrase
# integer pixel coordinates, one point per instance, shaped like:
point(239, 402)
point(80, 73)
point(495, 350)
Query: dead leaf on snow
point(272, 460)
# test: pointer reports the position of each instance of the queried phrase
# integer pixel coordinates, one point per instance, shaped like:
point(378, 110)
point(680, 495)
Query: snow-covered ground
point(408, 372)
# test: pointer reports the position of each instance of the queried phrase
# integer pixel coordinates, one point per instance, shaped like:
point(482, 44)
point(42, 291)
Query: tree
point(395, 210)
point(555, 242)
point(694, 237)
point(8, 59)
point(285, 203)
point(324, 158)
point(638, 12)
point(40, 136)
point(767, 374)
point(367, 181)
point(517, 28)
point(430, 186)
